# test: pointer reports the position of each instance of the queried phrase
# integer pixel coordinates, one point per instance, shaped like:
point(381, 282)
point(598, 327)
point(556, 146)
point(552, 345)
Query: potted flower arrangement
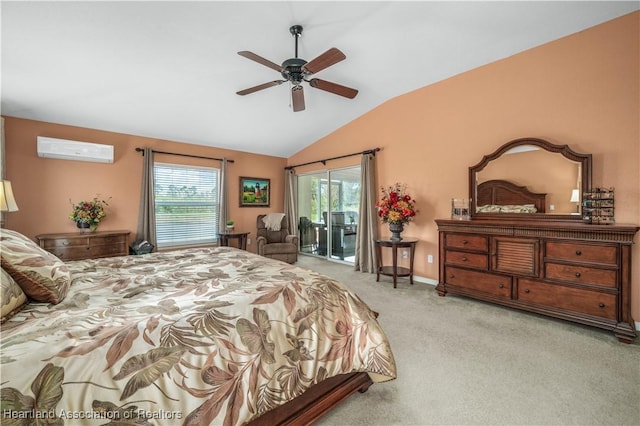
point(396, 208)
point(230, 225)
point(88, 214)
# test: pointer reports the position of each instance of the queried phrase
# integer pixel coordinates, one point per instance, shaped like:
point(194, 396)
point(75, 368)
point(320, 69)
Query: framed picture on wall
point(255, 192)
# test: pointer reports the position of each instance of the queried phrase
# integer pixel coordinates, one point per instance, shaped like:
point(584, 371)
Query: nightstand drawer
point(594, 253)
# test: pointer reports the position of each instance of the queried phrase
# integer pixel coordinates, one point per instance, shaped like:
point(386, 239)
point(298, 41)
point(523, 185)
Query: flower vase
point(83, 226)
point(396, 229)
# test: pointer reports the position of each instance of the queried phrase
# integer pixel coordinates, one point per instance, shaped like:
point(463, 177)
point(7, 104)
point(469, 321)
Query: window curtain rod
point(184, 155)
point(324, 162)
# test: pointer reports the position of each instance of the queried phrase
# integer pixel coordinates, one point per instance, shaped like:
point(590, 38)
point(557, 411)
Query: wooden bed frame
point(316, 401)
point(502, 192)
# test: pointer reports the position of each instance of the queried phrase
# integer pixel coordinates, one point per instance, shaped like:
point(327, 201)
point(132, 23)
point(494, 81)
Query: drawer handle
point(66, 243)
point(452, 276)
point(601, 305)
point(464, 241)
point(527, 291)
point(578, 274)
point(464, 258)
point(501, 286)
point(578, 253)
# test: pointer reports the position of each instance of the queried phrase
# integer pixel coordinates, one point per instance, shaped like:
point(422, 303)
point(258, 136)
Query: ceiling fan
point(296, 70)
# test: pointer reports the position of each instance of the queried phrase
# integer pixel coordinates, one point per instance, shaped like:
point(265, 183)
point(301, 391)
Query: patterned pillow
point(42, 276)
point(12, 298)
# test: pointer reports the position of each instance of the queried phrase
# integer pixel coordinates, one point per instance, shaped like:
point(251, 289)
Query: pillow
point(492, 208)
point(40, 274)
point(12, 298)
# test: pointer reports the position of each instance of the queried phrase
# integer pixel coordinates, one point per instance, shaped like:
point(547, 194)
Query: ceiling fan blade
point(328, 58)
point(297, 95)
point(260, 60)
point(334, 88)
point(260, 87)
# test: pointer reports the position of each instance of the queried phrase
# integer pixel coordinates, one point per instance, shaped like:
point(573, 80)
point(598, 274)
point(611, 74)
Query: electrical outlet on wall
point(430, 258)
point(248, 241)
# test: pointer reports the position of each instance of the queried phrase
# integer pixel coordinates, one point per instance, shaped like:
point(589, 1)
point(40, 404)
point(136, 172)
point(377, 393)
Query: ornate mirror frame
point(583, 159)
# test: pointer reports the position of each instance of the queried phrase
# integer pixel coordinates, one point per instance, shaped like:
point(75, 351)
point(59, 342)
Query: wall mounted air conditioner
point(72, 150)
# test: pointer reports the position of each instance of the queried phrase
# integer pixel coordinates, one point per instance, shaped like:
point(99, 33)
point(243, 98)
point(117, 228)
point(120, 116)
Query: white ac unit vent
point(72, 150)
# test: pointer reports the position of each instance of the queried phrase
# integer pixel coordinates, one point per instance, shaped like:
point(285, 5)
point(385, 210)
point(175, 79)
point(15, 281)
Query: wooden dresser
point(89, 245)
point(567, 270)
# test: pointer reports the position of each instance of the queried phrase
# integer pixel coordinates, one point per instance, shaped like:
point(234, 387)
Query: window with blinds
point(186, 204)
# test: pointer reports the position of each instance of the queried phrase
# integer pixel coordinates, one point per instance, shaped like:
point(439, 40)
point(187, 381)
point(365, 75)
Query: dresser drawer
point(48, 243)
point(70, 253)
point(576, 252)
point(108, 250)
point(496, 285)
point(572, 299)
point(108, 240)
point(467, 241)
point(471, 260)
point(581, 274)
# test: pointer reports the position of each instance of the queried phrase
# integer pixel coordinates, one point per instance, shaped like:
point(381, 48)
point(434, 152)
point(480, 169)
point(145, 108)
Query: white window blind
point(186, 204)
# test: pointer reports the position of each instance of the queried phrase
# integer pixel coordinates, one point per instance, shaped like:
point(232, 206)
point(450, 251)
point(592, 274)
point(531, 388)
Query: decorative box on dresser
point(567, 270)
point(89, 245)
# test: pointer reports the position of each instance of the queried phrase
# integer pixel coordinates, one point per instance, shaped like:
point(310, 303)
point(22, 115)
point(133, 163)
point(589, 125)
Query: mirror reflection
point(550, 181)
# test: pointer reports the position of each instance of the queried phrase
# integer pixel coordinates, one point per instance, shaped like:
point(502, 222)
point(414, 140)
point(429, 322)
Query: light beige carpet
point(465, 362)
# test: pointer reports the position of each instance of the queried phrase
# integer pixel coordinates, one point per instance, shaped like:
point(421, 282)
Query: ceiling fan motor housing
point(293, 70)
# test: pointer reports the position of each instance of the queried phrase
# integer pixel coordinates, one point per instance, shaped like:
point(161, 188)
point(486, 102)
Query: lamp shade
point(7, 200)
point(575, 196)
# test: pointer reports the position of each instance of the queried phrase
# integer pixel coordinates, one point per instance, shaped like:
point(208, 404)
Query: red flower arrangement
point(396, 206)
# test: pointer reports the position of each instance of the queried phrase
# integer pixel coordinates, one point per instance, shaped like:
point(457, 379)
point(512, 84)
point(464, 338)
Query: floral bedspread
point(195, 337)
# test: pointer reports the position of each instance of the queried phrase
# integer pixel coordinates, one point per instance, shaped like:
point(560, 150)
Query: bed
point(501, 196)
point(195, 337)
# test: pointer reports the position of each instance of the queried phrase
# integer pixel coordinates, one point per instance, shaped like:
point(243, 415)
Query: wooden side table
point(225, 236)
point(396, 271)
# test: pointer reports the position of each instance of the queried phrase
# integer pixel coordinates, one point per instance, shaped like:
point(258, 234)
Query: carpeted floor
point(465, 362)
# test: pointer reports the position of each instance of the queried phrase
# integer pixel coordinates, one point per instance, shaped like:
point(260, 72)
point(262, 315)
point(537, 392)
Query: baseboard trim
point(424, 280)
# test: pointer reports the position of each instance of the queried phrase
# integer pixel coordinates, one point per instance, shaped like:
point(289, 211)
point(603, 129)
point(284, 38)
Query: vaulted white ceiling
point(170, 70)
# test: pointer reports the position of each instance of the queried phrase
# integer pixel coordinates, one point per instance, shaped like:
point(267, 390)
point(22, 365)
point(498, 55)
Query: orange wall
point(43, 187)
point(582, 90)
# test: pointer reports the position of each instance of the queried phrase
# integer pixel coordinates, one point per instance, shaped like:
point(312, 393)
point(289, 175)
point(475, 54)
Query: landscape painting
point(254, 192)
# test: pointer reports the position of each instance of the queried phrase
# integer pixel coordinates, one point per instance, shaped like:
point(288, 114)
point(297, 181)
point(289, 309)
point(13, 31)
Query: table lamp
point(575, 198)
point(7, 200)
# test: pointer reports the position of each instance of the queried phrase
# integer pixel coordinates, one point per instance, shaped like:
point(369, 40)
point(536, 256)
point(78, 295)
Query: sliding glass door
point(328, 205)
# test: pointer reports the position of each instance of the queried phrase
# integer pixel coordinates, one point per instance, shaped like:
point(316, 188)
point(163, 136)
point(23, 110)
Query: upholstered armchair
point(276, 243)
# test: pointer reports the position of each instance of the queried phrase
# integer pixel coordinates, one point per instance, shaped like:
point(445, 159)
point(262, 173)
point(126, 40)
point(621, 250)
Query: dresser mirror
point(530, 178)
